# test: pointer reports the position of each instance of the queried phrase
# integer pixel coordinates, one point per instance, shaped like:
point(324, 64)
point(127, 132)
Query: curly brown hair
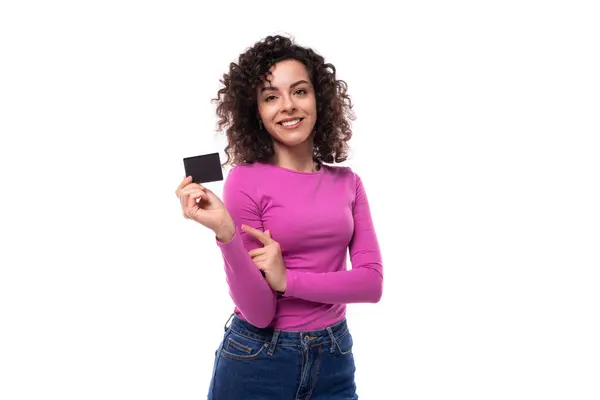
point(237, 107)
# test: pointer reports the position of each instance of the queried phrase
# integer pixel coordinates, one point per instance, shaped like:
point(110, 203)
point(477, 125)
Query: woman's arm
point(362, 284)
point(248, 289)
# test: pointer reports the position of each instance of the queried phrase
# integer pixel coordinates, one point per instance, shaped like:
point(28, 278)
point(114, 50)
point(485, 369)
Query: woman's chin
point(292, 139)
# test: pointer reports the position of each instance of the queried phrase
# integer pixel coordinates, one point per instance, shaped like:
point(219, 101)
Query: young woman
point(285, 226)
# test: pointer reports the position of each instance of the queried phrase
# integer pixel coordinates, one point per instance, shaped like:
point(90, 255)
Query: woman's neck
point(300, 160)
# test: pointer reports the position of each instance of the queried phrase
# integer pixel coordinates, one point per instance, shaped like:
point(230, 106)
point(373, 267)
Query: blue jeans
point(266, 364)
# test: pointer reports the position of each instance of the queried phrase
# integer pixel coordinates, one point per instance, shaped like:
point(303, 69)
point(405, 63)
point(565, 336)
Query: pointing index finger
point(264, 239)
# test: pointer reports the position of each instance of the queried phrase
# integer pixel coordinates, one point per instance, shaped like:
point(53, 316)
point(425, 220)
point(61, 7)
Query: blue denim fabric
point(266, 364)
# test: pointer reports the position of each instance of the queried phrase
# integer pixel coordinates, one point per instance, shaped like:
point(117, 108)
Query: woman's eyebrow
point(293, 85)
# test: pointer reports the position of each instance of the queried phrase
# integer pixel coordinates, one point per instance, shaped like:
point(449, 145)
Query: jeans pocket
point(344, 344)
point(238, 347)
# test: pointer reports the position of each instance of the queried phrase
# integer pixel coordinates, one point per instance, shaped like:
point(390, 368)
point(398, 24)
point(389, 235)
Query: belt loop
point(273, 342)
point(228, 319)
point(333, 340)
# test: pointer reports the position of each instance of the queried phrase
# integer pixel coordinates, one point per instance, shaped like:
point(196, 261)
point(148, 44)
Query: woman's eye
point(300, 91)
point(269, 98)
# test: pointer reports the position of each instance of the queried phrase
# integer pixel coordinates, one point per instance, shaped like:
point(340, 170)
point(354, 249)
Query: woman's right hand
point(208, 211)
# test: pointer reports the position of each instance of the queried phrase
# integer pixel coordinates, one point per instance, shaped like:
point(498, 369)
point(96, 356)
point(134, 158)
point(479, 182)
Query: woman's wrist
point(225, 231)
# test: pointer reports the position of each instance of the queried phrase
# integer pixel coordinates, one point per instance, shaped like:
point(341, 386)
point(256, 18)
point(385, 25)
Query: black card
point(204, 168)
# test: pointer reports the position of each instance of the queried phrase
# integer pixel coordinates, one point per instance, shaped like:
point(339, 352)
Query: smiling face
point(287, 105)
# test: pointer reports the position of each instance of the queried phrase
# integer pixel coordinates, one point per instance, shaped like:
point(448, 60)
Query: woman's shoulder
point(248, 176)
point(240, 183)
point(341, 171)
point(243, 169)
point(248, 172)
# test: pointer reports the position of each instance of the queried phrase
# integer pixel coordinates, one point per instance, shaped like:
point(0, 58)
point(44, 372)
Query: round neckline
point(277, 167)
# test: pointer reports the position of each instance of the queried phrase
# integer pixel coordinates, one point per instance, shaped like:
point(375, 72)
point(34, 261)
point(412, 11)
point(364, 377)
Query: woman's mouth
point(290, 124)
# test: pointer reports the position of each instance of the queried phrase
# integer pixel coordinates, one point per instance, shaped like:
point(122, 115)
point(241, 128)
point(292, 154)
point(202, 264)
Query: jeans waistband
point(289, 338)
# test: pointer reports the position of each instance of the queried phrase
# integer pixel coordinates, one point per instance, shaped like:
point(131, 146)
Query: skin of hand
point(268, 259)
point(203, 206)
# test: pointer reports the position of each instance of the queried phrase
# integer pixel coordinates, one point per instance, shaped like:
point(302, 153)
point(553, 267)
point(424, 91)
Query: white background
point(476, 137)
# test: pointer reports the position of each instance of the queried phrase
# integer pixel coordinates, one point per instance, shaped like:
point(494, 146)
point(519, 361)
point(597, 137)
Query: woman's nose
point(288, 104)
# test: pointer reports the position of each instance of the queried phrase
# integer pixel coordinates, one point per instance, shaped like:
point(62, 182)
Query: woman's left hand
point(268, 259)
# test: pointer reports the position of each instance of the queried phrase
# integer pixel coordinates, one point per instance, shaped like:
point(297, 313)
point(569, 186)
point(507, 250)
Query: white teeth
point(290, 123)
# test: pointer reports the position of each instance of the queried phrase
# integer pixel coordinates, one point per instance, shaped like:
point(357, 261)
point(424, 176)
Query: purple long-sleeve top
point(318, 219)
